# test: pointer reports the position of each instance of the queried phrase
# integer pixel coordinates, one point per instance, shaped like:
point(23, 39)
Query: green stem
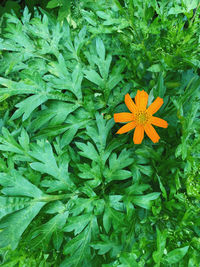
point(192, 20)
point(48, 198)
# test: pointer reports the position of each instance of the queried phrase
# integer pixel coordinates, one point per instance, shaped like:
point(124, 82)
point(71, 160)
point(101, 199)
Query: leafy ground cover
point(73, 193)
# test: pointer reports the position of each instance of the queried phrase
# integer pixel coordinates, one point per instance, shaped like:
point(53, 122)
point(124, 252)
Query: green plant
point(72, 192)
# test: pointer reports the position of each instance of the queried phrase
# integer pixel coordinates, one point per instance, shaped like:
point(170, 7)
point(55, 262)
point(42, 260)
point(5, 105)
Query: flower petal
point(141, 100)
point(138, 134)
point(155, 105)
point(159, 122)
point(130, 104)
point(126, 128)
point(123, 117)
point(151, 132)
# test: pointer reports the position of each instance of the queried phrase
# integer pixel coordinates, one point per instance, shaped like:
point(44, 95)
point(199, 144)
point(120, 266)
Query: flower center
point(142, 117)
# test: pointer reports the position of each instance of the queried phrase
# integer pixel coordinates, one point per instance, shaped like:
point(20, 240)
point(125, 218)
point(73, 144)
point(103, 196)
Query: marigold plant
point(71, 193)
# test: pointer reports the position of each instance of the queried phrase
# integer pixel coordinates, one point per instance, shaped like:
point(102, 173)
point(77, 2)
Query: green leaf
point(15, 88)
point(175, 255)
point(90, 172)
point(99, 132)
point(102, 15)
point(161, 243)
point(114, 79)
point(107, 220)
point(55, 113)
point(11, 204)
point(116, 166)
point(13, 225)
point(155, 68)
point(77, 78)
point(27, 106)
point(54, 3)
point(8, 143)
point(106, 245)
point(94, 77)
point(128, 260)
point(190, 4)
point(100, 48)
point(82, 204)
point(77, 224)
point(43, 235)
point(24, 140)
point(112, 213)
point(88, 151)
point(145, 201)
point(42, 151)
point(115, 202)
point(79, 246)
point(57, 237)
point(89, 16)
point(16, 185)
point(20, 211)
point(62, 79)
point(160, 86)
point(162, 188)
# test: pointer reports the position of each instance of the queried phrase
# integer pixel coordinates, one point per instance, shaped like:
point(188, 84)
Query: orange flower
point(141, 118)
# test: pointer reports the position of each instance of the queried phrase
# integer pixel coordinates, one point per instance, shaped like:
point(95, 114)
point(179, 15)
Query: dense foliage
point(72, 192)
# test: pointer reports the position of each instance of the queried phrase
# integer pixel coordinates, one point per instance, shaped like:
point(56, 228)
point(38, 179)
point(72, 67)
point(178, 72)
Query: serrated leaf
point(175, 255)
point(88, 151)
point(20, 211)
point(115, 202)
point(145, 201)
point(116, 166)
point(94, 77)
point(90, 172)
point(82, 204)
point(55, 207)
point(128, 260)
point(54, 3)
point(9, 143)
point(161, 89)
point(77, 77)
point(55, 113)
point(106, 245)
point(15, 88)
point(161, 243)
point(100, 48)
point(42, 236)
point(99, 134)
point(107, 220)
point(47, 164)
point(89, 16)
point(114, 79)
point(77, 224)
point(13, 225)
point(78, 247)
point(112, 218)
point(58, 237)
point(24, 140)
point(155, 68)
point(16, 185)
point(11, 204)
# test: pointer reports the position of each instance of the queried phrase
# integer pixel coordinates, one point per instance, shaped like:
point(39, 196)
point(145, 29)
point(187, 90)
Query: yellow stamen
point(142, 117)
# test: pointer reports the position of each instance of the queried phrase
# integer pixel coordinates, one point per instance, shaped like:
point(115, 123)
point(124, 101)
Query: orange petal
point(138, 134)
point(130, 104)
point(159, 122)
point(126, 128)
point(151, 132)
point(123, 117)
point(141, 100)
point(155, 105)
